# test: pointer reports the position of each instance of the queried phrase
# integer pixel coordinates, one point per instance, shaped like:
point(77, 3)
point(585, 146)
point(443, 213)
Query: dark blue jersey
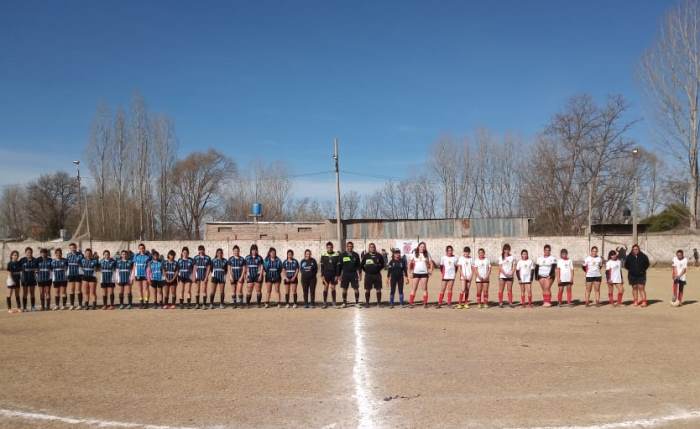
point(308, 267)
point(59, 268)
point(29, 269)
point(89, 266)
point(170, 268)
point(43, 274)
point(141, 262)
point(218, 269)
point(156, 270)
point(290, 266)
point(184, 267)
point(236, 265)
point(15, 268)
point(124, 267)
point(254, 267)
point(107, 267)
point(273, 269)
point(201, 263)
point(74, 259)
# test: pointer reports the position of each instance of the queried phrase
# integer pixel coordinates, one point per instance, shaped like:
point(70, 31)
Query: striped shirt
point(185, 268)
point(273, 268)
point(218, 270)
point(236, 263)
point(170, 268)
point(156, 270)
point(201, 262)
point(141, 261)
point(124, 267)
point(58, 269)
point(290, 267)
point(43, 274)
point(107, 267)
point(89, 266)
point(74, 259)
point(29, 269)
point(252, 264)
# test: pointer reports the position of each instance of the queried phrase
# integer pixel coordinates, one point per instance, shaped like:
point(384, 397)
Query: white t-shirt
point(615, 268)
point(507, 265)
point(420, 263)
point(449, 264)
point(482, 268)
point(545, 265)
point(524, 268)
point(566, 270)
point(593, 265)
point(466, 264)
point(680, 265)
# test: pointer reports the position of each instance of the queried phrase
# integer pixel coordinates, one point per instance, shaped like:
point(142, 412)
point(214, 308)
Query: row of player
point(76, 276)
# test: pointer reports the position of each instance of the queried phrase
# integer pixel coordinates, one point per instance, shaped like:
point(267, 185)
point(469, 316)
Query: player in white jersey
point(680, 268)
point(421, 267)
point(565, 274)
point(545, 272)
point(482, 271)
point(592, 266)
point(465, 263)
point(613, 274)
point(448, 269)
point(506, 268)
point(525, 270)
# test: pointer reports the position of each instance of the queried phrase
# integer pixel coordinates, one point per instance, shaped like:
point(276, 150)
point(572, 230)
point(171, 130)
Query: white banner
point(406, 246)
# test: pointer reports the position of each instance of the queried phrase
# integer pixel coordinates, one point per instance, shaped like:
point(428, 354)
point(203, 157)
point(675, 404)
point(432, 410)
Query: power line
point(373, 176)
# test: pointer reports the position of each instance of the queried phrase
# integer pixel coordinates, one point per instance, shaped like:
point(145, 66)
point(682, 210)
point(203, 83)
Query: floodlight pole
point(338, 221)
point(635, 209)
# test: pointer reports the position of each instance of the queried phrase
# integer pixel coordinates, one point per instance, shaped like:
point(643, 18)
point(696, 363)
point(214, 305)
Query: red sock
point(461, 298)
point(529, 299)
point(610, 297)
point(619, 297)
point(425, 298)
point(411, 298)
point(500, 298)
point(449, 298)
point(559, 295)
point(522, 299)
point(569, 292)
point(440, 296)
point(478, 298)
point(675, 290)
point(510, 297)
point(547, 298)
point(485, 299)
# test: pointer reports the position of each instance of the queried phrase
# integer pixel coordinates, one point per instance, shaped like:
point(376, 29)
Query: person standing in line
point(506, 268)
point(74, 257)
point(466, 263)
point(185, 272)
point(170, 289)
point(545, 269)
point(156, 279)
point(636, 264)
point(290, 267)
point(329, 273)
point(273, 276)
point(14, 279)
point(125, 266)
point(592, 266)
point(448, 271)
point(59, 271)
point(372, 265)
point(43, 278)
point(525, 270)
point(30, 266)
point(89, 265)
point(236, 265)
point(309, 270)
point(219, 267)
point(107, 265)
point(140, 275)
point(678, 273)
point(202, 270)
point(613, 275)
point(350, 273)
point(254, 274)
point(397, 273)
point(482, 274)
point(420, 269)
point(565, 276)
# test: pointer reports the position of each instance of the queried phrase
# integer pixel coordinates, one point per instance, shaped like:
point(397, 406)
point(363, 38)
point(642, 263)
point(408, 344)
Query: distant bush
point(671, 217)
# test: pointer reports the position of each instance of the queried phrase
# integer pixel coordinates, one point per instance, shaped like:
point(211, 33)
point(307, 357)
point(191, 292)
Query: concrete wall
point(660, 248)
point(222, 231)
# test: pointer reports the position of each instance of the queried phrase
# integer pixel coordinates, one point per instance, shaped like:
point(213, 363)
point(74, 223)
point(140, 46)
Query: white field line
point(366, 410)
point(28, 415)
point(648, 422)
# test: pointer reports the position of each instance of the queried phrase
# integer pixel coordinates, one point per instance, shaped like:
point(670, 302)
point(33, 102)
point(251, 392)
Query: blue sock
point(401, 298)
point(391, 299)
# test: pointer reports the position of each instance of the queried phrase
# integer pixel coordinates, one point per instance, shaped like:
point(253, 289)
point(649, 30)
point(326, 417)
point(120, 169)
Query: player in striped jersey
point(170, 288)
point(107, 266)
point(89, 265)
point(185, 267)
point(74, 282)
point(140, 275)
point(254, 274)
point(273, 276)
point(219, 266)
point(124, 268)
point(30, 265)
point(290, 267)
point(236, 265)
point(43, 278)
point(155, 278)
point(14, 272)
point(202, 269)
point(59, 271)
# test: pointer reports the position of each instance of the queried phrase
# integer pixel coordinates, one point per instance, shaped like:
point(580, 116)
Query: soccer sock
point(560, 293)
point(286, 298)
point(80, 299)
point(72, 299)
point(259, 298)
point(367, 296)
point(104, 300)
point(131, 298)
point(312, 292)
point(204, 299)
point(294, 298)
point(461, 298)
point(401, 298)
point(522, 298)
point(449, 298)
point(111, 299)
point(9, 303)
point(65, 300)
point(345, 296)
point(610, 297)
point(33, 300)
point(197, 299)
point(58, 300)
point(189, 300)
point(510, 297)
point(248, 298)
point(619, 297)
point(357, 296)
point(223, 298)
point(391, 298)
point(569, 294)
point(440, 297)
point(121, 299)
point(478, 298)
point(334, 295)
point(425, 298)
point(379, 296)
point(680, 293)
point(240, 298)
point(325, 296)
point(411, 298)
point(485, 298)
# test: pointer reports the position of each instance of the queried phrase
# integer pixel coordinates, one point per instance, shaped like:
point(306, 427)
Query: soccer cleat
point(465, 306)
point(267, 305)
point(221, 306)
point(306, 306)
point(294, 306)
point(325, 305)
point(438, 305)
point(345, 304)
point(121, 306)
point(129, 307)
point(211, 306)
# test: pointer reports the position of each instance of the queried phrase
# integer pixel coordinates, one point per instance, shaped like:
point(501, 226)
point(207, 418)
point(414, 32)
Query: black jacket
point(372, 263)
point(348, 264)
point(637, 266)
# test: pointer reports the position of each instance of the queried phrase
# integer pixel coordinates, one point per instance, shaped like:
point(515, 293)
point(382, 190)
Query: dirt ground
point(335, 368)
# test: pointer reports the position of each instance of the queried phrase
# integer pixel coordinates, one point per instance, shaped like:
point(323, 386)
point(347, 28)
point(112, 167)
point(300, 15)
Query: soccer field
point(335, 368)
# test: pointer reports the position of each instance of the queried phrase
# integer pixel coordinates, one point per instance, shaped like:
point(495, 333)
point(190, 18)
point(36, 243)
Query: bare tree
point(164, 156)
point(50, 201)
point(350, 205)
point(140, 136)
point(98, 154)
point(12, 211)
point(120, 169)
point(670, 70)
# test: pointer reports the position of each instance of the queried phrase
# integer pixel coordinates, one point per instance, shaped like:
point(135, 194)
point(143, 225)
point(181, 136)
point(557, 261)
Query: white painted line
point(639, 423)
point(28, 415)
point(366, 410)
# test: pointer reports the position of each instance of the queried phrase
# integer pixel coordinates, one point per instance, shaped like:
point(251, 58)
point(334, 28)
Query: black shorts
point(122, 284)
point(594, 279)
point(183, 280)
point(90, 279)
point(272, 280)
point(217, 281)
point(564, 284)
point(60, 284)
point(236, 279)
point(74, 279)
point(291, 282)
point(679, 282)
point(637, 280)
point(157, 283)
point(17, 278)
point(171, 283)
point(140, 278)
point(346, 282)
point(481, 282)
point(44, 284)
point(420, 275)
point(330, 278)
point(106, 285)
point(29, 283)
point(373, 281)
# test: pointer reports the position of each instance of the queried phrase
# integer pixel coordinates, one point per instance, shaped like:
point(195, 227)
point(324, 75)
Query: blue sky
point(280, 79)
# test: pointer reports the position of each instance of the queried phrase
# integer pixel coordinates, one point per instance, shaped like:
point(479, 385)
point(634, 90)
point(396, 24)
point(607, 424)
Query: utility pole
point(590, 211)
point(635, 237)
point(338, 221)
